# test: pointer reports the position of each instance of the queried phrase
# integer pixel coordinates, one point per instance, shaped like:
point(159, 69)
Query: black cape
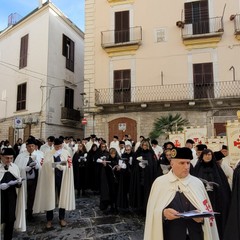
point(142, 179)
point(221, 195)
point(232, 231)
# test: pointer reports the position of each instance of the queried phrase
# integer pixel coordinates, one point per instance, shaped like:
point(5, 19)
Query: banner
point(178, 139)
point(233, 138)
point(198, 135)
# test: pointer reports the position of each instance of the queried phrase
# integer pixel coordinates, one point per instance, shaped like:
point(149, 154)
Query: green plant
point(168, 123)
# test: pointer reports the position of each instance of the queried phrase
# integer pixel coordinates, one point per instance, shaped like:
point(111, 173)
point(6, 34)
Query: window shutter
point(208, 73)
point(64, 46)
point(204, 10)
point(188, 12)
point(23, 52)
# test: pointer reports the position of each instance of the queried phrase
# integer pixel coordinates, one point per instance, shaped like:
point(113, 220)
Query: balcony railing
point(70, 114)
point(170, 92)
point(206, 28)
point(237, 24)
point(130, 36)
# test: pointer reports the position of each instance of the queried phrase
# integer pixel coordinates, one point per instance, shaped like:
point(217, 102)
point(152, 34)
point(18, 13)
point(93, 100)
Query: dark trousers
point(61, 211)
point(31, 189)
point(8, 230)
point(61, 214)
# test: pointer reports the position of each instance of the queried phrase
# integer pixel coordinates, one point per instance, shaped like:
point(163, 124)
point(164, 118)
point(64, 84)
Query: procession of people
point(159, 182)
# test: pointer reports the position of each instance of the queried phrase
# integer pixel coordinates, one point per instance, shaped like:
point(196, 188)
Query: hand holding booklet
point(197, 214)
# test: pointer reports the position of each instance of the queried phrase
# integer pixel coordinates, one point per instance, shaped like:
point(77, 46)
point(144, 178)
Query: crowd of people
point(144, 177)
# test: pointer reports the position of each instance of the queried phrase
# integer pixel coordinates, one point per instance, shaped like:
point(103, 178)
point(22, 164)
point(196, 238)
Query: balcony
point(236, 19)
point(123, 41)
point(70, 116)
point(209, 31)
point(169, 93)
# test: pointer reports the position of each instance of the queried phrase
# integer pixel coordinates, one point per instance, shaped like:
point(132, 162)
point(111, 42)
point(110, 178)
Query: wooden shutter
point(208, 73)
point(188, 12)
point(121, 26)
point(203, 80)
point(69, 98)
point(68, 51)
point(204, 10)
point(27, 132)
point(11, 135)
point(23, 52)
point(64, 46)
point(21, 96)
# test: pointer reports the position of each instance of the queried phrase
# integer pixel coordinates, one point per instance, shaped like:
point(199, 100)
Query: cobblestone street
point(87, 222)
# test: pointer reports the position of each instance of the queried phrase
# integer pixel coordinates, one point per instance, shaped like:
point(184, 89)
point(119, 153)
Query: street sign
point(18, 122)
point(84, 121)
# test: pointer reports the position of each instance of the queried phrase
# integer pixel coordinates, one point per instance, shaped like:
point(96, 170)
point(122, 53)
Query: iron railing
point(211, 26)
point(130, 36)
point(70, 114)
point(237, 24)
point(169, 92)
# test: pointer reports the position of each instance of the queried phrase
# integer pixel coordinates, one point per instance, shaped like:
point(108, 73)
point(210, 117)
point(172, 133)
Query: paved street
point(87, 222)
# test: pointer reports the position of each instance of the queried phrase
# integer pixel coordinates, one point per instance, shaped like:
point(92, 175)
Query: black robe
point(91, 181)
point(109, 184)
point(124, 182)
point(79, 171)
point(232, 231)
point(221, 195)
point(177, 229)
point(97, 168)
point(142, 179)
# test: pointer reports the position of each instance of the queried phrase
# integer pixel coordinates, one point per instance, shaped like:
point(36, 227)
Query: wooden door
point(121, 127)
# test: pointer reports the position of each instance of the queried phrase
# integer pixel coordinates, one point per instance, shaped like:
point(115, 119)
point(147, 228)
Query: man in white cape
point(28, 163)
point(48, 184)
point(12, 195)
point(160, 216)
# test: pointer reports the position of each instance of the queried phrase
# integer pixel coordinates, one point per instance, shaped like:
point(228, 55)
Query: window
point(69, 97)
point(23, 52)
point(21, 96)
point(122, 86)
point(68, 52)
point(203, 80)
point(197, 14)
point(122, 27)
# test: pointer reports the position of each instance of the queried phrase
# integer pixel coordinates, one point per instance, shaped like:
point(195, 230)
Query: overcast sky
point(73, 9)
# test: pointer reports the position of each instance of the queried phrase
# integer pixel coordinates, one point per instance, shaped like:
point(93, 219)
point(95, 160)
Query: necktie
point(30, 161)
point(6, 167)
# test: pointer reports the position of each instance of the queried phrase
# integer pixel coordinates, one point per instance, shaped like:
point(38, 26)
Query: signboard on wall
point(18, 122)
point(233, 138)
point(122, 126)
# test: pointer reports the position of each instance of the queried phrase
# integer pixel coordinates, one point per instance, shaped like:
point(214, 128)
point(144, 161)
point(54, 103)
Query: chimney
point(41, 2)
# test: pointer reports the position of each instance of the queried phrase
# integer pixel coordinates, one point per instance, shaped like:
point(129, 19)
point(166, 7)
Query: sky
point(73, 9)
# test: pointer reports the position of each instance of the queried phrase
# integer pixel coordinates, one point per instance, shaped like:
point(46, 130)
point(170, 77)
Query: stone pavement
point(87, 222)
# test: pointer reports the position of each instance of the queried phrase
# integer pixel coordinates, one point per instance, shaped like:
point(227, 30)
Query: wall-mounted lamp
point(180, 24)
point(143, 105)
point(167, 105)
point(232, 17)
